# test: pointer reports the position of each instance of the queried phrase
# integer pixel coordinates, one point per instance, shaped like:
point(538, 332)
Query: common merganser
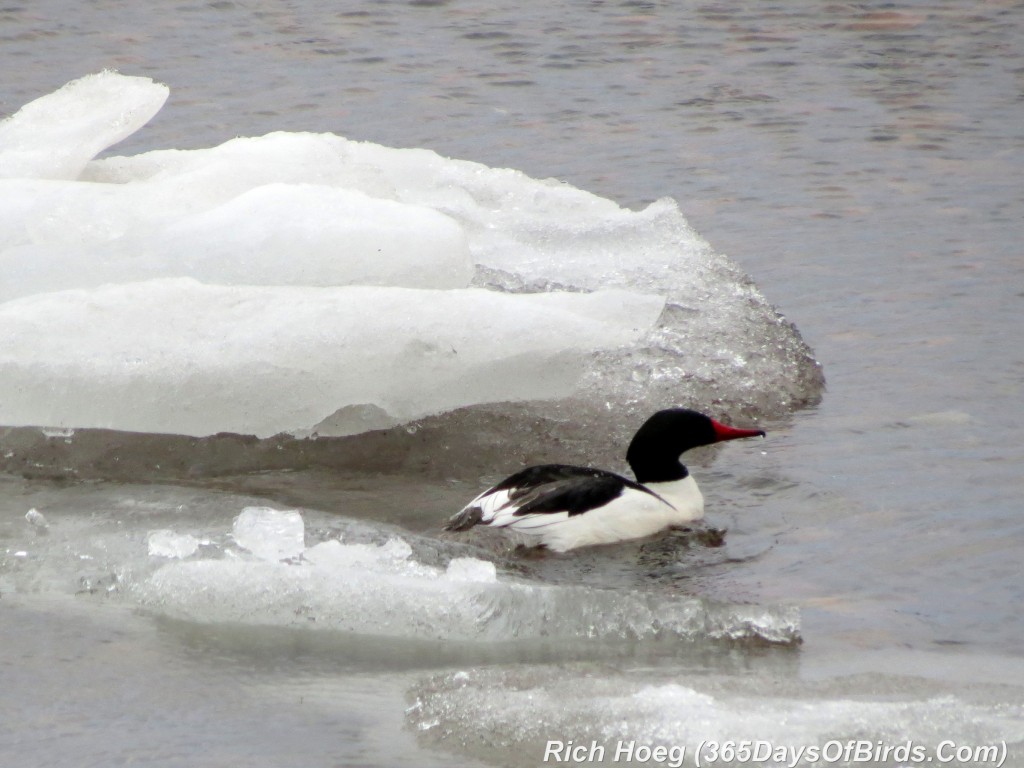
point(563, 507)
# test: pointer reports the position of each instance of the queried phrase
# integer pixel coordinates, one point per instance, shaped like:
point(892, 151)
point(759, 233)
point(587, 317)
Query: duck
point(562, 507)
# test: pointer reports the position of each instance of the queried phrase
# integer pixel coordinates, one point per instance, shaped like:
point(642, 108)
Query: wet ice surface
point(265, 568)
point(382, 589)
point(489, 712)
point(316, 597)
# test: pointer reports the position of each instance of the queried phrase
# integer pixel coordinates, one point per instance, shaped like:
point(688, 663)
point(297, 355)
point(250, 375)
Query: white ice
point(270, 283)
point(519, 710)
point(55, 136)
point(471, 569)
point(168, 543)
point(276, 234)
point(260, 286)
point(384, 590)
point(364, 588)
point(270, 534)
point(186, 357)
point(36, 519)
point(214, 559)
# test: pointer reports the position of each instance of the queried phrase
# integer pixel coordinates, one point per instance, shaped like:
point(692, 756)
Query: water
point(860, 161)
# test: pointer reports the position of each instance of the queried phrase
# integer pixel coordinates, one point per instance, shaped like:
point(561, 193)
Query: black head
point(656, 447)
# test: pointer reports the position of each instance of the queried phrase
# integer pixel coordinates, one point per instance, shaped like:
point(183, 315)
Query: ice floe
point(384, 589)
point(266, 284)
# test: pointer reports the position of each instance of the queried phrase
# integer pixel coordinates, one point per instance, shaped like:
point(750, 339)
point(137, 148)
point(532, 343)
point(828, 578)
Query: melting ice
point(267, 284)
point(494, 713)
point(271, 577)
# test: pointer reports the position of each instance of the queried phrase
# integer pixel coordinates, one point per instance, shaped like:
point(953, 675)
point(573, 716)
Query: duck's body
point(563, 507)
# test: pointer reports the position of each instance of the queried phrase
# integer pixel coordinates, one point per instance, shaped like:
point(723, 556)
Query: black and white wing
point(542, 496)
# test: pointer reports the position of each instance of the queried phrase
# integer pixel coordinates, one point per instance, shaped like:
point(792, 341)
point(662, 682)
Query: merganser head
point(656, 447)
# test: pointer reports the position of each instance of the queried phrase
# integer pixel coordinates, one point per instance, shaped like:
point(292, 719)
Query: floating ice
point(214, 561)
point(519, 711)
point(270, 534)
point(36, 519)
point(180, 356)
point(228, 289)
point(55, 136)
point(167, 543)
point(383, 590)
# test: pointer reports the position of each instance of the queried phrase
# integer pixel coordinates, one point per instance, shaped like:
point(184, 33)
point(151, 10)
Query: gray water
point(862, 161)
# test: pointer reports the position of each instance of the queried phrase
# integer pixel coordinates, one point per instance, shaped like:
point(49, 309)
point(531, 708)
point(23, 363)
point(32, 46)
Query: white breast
point(684, 495)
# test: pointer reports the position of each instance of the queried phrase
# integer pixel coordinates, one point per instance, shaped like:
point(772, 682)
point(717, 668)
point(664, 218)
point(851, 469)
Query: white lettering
point(762, 751)
point(552, 750)
point(862, 750)
point(940, 751)
point(989, 754)
point(624, 751)
point(832, 751)
point(582, 753)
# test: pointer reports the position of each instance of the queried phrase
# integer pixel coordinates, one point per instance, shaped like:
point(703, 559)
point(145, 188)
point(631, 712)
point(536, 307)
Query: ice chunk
point(36, 519)
point(333, 554)
point(55, 136)
point(358, 588)
point(471, 569)
point(317, 210)
point(176, 356)
point(538, 232)
point(392, 555)
point(270, 534)
point(167, 543)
